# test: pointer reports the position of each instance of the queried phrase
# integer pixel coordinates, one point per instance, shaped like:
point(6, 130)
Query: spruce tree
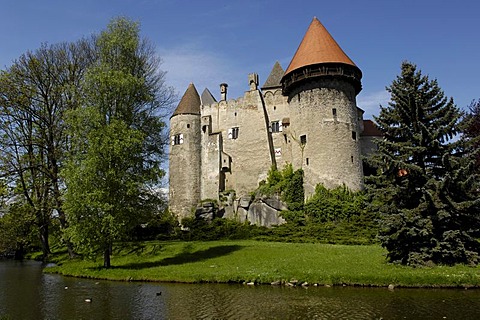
point(422, 187)
point(471, 130)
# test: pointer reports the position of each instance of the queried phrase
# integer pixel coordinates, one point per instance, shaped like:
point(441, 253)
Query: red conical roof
point(190, 102)
point(317, 46)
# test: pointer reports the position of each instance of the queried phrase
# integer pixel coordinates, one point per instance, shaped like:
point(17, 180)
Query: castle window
point(204, 129)
point(177, 139)
point(354, 135)
point(274, 107)
point(277, 126)
point(303, 139)
point(233, 133)
point(351, 158)
point(188, 125)
point(307, 161)
point(334, 112)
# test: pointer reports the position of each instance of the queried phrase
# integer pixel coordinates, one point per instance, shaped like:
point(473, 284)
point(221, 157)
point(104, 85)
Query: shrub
point(217, 229)
point(334, 204)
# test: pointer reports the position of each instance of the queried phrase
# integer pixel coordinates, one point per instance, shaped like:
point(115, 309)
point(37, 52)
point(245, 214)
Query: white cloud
point(370, 102)
point(190, 63)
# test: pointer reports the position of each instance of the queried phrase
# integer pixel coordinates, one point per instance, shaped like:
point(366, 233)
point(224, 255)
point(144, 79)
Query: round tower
point(185, 155)
point(321, 84)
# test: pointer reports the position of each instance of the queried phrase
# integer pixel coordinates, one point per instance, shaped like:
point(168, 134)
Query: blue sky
point(210, 42)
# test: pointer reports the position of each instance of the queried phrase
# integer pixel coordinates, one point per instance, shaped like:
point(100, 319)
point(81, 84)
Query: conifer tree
point(422, 187)
point(471, 129)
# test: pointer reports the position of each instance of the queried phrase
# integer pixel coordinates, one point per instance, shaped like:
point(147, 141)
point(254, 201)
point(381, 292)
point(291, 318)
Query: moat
point(27, 293)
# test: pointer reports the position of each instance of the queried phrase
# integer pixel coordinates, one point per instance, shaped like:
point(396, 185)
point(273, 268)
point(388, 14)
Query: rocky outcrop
point(263, 211)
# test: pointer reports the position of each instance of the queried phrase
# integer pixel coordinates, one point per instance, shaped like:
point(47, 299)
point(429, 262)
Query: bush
point(334, 204)
point(288, 184)
point(161, 226)
point(217, 229)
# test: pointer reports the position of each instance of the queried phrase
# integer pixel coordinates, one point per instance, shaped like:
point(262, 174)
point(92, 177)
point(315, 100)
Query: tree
point(35, 93)
point(117, 142)
point(471, 129)
point(421, 187)
point(17, 230)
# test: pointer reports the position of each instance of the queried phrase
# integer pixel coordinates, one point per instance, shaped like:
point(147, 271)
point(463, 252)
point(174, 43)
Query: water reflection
point(26, 293)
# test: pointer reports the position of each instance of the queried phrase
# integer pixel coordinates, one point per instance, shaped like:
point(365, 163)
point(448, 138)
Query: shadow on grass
point(185, 257)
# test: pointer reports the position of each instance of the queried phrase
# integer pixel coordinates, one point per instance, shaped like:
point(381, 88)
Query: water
point(27, 293)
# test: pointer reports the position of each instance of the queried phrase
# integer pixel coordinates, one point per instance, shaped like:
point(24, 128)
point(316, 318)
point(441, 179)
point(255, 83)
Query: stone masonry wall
point(324, 112)
point(185, 167)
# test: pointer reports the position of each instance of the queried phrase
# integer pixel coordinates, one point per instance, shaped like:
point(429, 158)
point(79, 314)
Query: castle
point(306, 115)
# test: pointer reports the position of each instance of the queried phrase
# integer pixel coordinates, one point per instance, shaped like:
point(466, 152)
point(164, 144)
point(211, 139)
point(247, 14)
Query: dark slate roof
point(370, 129)
point(207, 97)
point(190, 102)
point(273, 80)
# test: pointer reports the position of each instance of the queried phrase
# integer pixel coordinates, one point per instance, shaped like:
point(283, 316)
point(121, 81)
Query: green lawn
point(263, 262)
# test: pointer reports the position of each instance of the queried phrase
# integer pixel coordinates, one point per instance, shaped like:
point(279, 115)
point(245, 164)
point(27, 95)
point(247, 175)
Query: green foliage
point(116, 142)
point(219, 228)
point(471, 132)
point(423, 188)
point(288, 184)
point(35, 93)
point(104, 189)
point(334, 204)
point(160, 226)
point(18, 232)
point(330, 216)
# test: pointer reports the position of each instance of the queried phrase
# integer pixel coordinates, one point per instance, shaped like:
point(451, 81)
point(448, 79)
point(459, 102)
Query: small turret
point(185, 155)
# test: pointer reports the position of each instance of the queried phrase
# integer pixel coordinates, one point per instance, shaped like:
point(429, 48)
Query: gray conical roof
point(273, 80)
point(190, 102)
point(207, 97)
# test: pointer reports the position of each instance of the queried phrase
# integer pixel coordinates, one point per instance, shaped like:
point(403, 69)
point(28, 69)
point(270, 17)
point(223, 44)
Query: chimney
point(223, 91)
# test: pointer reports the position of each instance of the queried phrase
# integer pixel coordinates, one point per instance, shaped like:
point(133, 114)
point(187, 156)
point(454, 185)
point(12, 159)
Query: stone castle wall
point(324, 112)
point(185, 164)
point(318, 129)
point(244, 155)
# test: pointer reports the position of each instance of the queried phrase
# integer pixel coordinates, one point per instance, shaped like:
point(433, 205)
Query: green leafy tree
point(35, 93)
point(17, 230)
point(117, 142)
point(420, 188)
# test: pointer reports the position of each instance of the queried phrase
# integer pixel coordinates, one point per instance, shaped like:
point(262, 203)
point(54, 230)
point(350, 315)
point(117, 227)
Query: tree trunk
point(44, 241)
point(106, 256)
point(58, 197)
point(19, 253)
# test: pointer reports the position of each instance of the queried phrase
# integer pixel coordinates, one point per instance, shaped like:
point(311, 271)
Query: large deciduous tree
point(423, 187)
point(35, 93)
point(117, 141)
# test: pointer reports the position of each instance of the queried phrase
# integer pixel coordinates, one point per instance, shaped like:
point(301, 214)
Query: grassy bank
point(263, 263)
